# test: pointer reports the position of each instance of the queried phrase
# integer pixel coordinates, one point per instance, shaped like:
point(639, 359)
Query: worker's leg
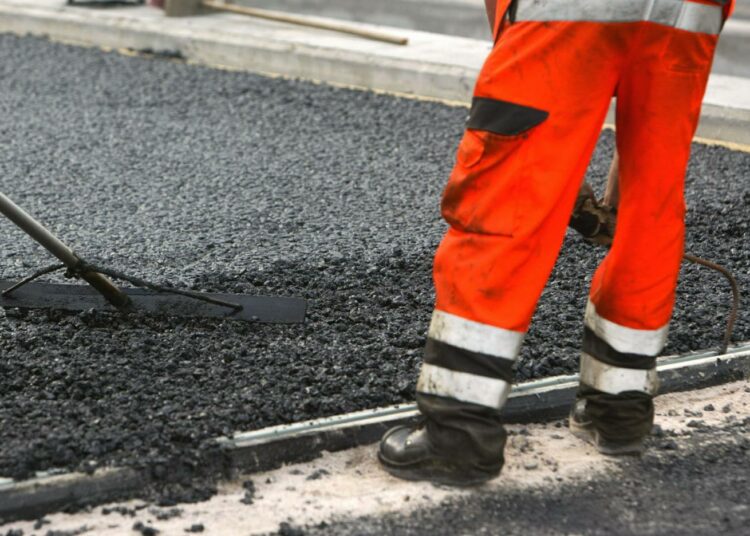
point(539, 105)
point(633, 290)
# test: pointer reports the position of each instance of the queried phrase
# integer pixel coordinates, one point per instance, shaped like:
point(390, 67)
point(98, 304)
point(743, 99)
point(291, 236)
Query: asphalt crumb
point(287, 529)
point(232, 182)
point(122, 510)
point(249, 495)
point(145, 530)
point(317, 474)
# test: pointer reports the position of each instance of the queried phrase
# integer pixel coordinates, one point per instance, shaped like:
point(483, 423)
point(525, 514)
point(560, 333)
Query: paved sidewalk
point(431, 65)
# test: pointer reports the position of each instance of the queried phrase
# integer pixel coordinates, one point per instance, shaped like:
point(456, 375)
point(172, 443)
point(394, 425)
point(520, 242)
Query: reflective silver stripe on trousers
point(616, 380)
point(439, 381)
point(680, 14)
point(475, 336)
point(624, 339)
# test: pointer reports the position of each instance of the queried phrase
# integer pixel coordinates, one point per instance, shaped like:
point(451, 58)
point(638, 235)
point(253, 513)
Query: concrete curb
point(269, 448)
point(432, 65)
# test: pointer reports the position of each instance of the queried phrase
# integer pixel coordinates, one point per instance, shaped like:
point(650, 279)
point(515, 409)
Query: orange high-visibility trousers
point(539, 104)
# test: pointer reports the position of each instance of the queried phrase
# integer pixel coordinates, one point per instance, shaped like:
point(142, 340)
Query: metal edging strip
point(51, 491)
point(531, 390)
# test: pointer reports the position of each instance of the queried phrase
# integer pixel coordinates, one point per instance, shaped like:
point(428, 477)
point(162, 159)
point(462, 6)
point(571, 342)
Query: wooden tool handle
point(305, 21)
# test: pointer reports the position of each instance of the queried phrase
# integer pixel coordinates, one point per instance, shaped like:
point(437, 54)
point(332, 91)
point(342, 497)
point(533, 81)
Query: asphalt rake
point(147, 298)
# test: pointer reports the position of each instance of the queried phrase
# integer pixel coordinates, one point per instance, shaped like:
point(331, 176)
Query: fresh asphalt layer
point(232, 182)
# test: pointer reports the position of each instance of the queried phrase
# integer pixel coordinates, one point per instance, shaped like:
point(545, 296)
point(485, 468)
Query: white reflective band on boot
point(680, 14)
point(475, 336)
point(439, 381)
point(616, 380)
point(623, 339)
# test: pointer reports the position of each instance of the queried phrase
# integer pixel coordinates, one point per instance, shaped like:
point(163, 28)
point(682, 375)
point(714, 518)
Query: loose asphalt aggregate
point(232, 182)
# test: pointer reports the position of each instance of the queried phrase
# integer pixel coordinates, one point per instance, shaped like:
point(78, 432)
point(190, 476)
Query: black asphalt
point(696, 485)
point(231, 182)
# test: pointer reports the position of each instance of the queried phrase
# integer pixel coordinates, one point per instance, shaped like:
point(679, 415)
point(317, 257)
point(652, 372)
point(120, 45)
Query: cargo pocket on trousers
point(481, 195)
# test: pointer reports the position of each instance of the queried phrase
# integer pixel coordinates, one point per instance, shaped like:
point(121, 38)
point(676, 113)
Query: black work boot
point(406, 452)
point(583, 425)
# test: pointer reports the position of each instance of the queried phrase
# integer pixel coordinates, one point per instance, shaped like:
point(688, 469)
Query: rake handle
point(301, 20)
point(55, 246)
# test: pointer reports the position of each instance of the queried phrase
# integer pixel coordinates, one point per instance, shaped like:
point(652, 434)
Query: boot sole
point(462, 478)
point(608, 448)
